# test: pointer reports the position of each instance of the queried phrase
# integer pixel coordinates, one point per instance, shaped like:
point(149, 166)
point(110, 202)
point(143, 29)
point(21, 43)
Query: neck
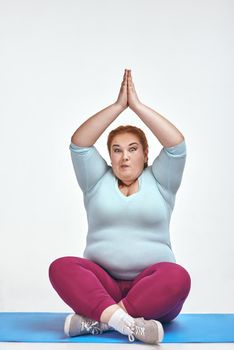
point(124, 184)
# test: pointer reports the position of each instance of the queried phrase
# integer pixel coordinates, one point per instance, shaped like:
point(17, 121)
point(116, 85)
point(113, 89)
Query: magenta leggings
point(158, 292)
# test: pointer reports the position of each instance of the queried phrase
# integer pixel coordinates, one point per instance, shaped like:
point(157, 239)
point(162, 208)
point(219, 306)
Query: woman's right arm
point(86, 159)
point(88, 132)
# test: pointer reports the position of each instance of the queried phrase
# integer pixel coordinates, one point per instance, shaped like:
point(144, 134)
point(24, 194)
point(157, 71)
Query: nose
point(125, 155)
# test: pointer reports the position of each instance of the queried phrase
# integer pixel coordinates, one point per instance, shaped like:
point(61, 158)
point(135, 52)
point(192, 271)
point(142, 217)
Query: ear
point(146, 154)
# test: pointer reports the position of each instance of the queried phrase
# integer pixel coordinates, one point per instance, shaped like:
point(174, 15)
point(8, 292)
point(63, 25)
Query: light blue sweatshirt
point(126, 234)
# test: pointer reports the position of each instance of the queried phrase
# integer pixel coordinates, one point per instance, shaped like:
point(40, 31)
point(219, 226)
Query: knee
point(64, 265)
point(177, 278)
point(57, 267)
point(180, 280)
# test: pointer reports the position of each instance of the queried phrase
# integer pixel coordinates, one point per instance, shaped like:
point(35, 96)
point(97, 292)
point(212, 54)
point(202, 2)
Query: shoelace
point(91, 326)
point(135, 330)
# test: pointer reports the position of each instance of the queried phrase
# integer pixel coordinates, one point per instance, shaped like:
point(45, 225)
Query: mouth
point(124, 166)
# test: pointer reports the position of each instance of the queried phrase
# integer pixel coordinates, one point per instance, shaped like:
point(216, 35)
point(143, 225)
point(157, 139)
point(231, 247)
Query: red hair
point(122, 129)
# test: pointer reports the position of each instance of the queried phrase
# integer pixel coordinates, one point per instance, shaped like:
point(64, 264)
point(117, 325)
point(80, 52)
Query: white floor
point(166, 346)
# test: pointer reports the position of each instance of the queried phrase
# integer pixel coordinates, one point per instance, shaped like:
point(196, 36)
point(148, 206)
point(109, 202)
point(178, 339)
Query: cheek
point(140, 157)
point(114, 159)
point(139, 161)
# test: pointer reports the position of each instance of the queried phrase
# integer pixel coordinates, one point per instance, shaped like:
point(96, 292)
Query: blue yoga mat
point(47, 327)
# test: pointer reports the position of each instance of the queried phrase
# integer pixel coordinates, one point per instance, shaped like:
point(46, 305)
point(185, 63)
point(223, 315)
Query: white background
point(63, 61)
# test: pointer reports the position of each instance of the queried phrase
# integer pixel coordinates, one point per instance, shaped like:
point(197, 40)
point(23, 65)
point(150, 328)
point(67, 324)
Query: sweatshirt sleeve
point(88, 164)
point(168, 169)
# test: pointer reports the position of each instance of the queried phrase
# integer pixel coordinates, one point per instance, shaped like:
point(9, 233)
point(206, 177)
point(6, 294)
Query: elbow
point(79, 142)
point(181, 139)
point(175, 142)
point(74, 141)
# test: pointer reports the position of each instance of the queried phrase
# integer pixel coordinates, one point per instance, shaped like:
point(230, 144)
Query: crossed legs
point(158, 292)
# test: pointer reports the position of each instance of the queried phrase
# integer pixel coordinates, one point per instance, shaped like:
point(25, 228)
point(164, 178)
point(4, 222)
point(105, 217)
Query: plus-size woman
point(128, 278)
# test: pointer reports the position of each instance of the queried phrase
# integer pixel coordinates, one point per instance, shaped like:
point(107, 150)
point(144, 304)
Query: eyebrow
point(128, 145)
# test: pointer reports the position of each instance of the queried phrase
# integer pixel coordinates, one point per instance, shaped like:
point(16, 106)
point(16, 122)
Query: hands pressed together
point(127, 95)
point(90, 130)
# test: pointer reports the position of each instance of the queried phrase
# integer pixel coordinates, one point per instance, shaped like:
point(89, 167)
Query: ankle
point(108, 312)
point(121, 321)
point(122, 306)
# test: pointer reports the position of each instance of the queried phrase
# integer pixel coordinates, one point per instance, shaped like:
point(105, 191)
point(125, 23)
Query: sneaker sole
point(160, 331)
point(67, 324)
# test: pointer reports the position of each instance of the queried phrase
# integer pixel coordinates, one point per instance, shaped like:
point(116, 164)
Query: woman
point(128, 279)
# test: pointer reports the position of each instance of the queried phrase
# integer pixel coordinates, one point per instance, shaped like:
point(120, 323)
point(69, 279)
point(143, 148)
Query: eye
point(116, 150)
point(133, 148)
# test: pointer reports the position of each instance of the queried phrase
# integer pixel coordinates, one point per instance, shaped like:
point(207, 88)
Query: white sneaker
point(148, 331)
point(77, 325)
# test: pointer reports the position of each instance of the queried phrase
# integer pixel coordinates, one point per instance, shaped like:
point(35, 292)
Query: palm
point(122, 99)
point(133, 99)
point(127, 94)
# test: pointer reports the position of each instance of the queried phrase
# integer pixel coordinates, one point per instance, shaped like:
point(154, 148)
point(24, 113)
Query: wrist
point(137, 106)
point(119, 106)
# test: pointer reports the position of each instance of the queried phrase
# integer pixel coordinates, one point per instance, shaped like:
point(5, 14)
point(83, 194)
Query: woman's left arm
point(167, 134)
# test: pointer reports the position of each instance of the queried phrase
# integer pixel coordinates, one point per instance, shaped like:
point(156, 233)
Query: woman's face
point(127, 157)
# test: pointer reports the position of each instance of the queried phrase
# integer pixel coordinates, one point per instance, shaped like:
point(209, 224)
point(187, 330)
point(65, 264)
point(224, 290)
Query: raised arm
point(88, 132)
point(167, 134)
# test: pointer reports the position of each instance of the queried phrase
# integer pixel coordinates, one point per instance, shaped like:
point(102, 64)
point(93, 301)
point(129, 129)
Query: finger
point(124, 82)
point(129, 77)
point(125, 76)
point(130, 83)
